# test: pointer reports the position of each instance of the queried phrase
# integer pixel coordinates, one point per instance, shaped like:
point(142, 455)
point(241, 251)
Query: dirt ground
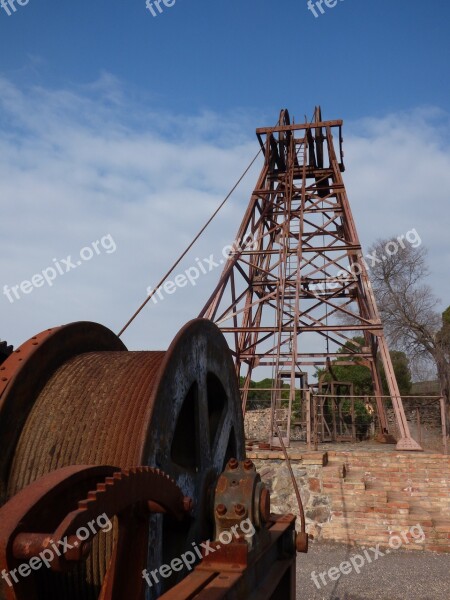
point(398, 575)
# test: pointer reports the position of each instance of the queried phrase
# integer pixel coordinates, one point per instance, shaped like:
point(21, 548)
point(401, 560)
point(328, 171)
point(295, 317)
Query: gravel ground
point(399, 575)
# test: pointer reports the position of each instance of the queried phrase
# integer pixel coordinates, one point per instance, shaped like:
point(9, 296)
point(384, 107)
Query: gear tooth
point(87, 502)
point(127, 480)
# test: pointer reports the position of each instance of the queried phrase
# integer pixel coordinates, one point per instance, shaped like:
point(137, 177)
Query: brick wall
point(367, 497)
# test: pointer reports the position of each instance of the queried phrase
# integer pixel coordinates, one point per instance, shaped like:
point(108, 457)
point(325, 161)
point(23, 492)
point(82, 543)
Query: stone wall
point(430, 433)
point(257, 424)
point(316, 504)
point(430, 413)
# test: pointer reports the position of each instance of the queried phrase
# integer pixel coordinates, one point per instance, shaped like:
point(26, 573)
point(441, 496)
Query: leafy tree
point(259, 396)
point(361, 377)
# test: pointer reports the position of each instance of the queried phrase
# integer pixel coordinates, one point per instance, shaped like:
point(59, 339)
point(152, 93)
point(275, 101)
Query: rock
point(257, 424)
point(315, 485)
point(320, 514)
point(320, 501)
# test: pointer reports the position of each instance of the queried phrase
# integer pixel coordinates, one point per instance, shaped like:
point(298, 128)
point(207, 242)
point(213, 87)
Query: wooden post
point(308, 418)
point(419, 428)
point(353, 421)
point(315, 421)
point(444, 425)
point(322, 416)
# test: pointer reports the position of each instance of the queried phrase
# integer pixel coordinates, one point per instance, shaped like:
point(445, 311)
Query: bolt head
point(221, 510)
point(239, 509)
point(248, 465)
point(233, 464)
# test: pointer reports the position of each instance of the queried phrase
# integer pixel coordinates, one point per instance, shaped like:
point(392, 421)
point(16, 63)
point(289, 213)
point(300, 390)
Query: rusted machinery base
point(152, 442)
point(56, 511)
point(269, 574)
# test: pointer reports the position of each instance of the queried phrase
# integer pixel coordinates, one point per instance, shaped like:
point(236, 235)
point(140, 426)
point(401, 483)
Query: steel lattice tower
point(297, 287)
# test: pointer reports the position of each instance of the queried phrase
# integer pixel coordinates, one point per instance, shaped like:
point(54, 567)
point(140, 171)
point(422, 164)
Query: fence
point(324, 418)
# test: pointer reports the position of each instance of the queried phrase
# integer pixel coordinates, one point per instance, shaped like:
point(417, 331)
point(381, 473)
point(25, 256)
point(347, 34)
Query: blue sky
point(361, 57)
point(116, 122)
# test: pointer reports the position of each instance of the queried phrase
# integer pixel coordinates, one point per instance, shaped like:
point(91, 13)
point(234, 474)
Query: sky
point(121, 132)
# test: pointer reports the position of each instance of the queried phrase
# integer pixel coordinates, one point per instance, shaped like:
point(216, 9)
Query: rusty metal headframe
point(297, 266)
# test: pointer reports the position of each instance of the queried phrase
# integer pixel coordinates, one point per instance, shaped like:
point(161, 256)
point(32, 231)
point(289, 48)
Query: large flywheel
point(76, 396)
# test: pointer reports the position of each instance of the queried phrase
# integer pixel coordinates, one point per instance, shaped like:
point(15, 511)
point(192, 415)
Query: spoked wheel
point(85, 400)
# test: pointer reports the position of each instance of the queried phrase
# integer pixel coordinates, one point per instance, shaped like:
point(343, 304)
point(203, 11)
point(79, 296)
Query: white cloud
point(398, 179)
point(79, 164)
point(73, 169)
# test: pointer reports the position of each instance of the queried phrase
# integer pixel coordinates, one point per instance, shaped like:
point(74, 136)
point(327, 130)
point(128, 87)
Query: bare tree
point(408, 307)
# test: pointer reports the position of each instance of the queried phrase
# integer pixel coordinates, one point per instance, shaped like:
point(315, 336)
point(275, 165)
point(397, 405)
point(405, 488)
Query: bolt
point(233, 464)
point(221, 510)
point(248, 465)
point(239, 509)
